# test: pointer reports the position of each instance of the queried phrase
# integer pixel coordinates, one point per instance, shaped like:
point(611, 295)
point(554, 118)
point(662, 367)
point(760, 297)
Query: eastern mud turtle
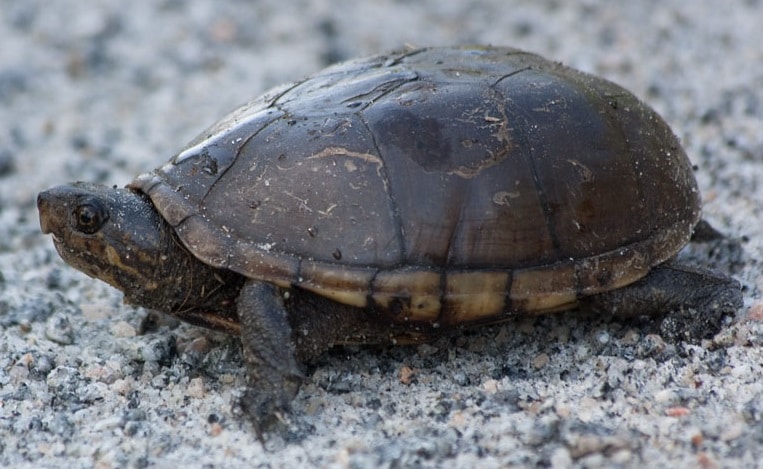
point(392, 198)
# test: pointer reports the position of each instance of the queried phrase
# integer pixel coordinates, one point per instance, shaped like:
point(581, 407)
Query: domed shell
point(439, 185)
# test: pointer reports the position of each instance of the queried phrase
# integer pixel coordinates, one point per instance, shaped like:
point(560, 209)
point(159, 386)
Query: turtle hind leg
point(273, 372)
point(693, 302)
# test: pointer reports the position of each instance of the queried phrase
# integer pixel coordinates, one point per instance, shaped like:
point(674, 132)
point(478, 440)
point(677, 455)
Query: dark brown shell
point(442, 185)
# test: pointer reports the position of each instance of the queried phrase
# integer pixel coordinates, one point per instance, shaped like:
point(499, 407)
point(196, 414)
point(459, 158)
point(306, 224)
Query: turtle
point(394, 198)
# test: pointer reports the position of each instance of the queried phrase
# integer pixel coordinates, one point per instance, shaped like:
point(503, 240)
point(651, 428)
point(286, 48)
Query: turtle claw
point(269, 407)
point(263, 411)
point(708, 312)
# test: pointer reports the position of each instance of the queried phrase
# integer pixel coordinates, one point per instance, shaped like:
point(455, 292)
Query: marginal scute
point(205, 241)
point(262, 264)
point(345, 284)
point(612, 270)
point(543, 289)
point(409, 294)
point(174, 209)
point(475, 296)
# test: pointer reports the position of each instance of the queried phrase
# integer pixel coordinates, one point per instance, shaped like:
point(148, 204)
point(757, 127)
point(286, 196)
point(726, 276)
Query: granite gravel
point(103, 90)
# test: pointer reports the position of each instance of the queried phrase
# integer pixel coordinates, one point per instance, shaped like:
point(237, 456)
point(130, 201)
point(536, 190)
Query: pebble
point(406, 374)
point(196, 388)
point(540, 361)
point(59, 330)
point(602, 337)
point(561, 459)
point(666, 396)
point(123, 329)
point(107, 373)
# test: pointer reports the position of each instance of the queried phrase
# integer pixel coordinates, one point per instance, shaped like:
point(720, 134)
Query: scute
point(441, 186)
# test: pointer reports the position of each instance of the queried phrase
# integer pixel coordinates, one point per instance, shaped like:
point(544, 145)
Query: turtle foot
point(268, 407)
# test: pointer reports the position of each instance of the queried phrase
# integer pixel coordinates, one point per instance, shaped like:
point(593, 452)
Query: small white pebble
point(665, 396)
point(196, 388)
point(602, 337)
point(123, 329)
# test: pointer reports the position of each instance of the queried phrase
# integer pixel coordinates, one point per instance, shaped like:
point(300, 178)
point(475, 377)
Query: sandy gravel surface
point(100, 91)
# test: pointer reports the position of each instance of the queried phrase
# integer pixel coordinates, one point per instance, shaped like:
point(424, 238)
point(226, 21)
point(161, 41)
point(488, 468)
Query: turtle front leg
point(273, 373)
point(693, 301)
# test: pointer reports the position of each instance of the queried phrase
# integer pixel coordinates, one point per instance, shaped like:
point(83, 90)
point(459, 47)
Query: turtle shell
point(437, 185)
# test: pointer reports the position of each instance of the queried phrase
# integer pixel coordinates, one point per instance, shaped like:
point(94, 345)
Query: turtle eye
point(89, 216)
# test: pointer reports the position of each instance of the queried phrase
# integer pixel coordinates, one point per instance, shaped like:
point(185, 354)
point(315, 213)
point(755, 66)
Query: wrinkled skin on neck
point(117, 236)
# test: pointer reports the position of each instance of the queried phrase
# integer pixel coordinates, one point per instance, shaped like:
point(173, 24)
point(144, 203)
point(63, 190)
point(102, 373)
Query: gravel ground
point(100, 92)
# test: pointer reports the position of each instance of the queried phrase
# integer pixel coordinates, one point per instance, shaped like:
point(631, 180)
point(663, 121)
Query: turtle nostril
point(42, 200)
point(43, 206)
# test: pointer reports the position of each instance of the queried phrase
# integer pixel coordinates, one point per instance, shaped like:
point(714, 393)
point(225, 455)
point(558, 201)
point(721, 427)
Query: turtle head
point(116, 235)
point(111, 234)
